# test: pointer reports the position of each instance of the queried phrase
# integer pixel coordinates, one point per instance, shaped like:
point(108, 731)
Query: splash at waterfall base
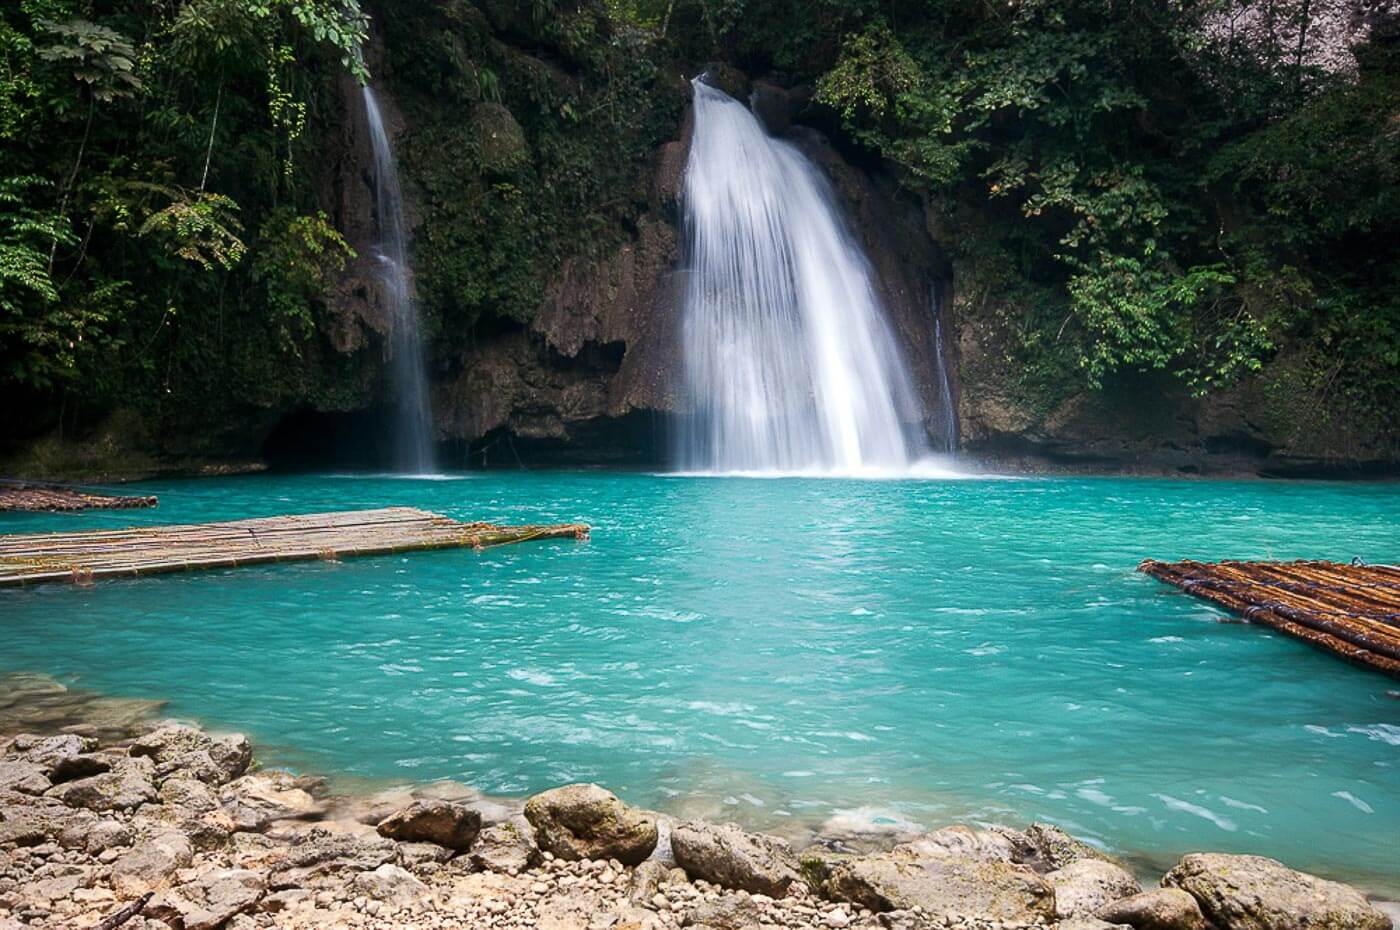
point(157, 824)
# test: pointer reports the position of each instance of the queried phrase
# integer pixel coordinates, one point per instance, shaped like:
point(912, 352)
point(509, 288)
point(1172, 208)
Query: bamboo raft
point(1350, 610)
point(32, 558)
point(24, 496)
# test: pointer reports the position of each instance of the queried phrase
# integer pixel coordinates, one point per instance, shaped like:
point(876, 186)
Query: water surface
point(786, 651)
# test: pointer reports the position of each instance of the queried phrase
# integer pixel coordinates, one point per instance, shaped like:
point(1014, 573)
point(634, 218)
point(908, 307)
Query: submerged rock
point(1085, 886)
point(943, 886)
point(1158, 909)
point(1255, 893)
point(727, 856)
point(442, 822)
point(589, 822)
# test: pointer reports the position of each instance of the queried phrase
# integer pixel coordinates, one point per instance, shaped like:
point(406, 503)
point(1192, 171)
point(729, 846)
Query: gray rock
point(187, 795)
point(150, 865)
point(966, 843)
point(589, 822)
point(943, 885)
point(51, 752)
point(1090, 923)
point(506, 847)
point(256, 800)
point(1255, 893)
point(24, 777)
point(1157, 909)
point(772, 105)
point(647, 880)
point(1046, 848)
point(391, 885)
point(107, 834)
point(130, 783)
point(423, 855)
point(731, 912)
point(215, 760)
point(729, 857)
point(1086, 885)
point(433, 821)
point(279, 901)
point(319, 853)
point(211, 900)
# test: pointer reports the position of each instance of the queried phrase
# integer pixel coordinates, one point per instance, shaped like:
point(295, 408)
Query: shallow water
point(916, 652)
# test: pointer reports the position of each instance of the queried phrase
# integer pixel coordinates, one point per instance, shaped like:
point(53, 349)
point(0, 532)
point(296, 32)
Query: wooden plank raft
point(1350, 610)
point(30, 558)
point(24, 496)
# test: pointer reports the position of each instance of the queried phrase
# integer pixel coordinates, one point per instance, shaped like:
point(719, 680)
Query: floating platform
point(1350, 610)
point(24, 496)
point(31, 558)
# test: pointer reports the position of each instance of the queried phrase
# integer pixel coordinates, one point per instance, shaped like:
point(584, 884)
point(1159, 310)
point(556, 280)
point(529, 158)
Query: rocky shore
point(167, 826)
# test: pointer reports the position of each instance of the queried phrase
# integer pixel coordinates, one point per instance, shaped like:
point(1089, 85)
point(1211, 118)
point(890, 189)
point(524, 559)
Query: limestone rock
point(433, 821)
point(943, 885)
point(589, 822)
point(211, 900)
point(150, 865)
point(966, 843)
point(107, 834)
point(215, 760)
point(647, 880)
point(1158, 909)
point(391, 885)
point(255, 800)
point(506, 847)
point(727, 856)
point(1255, 893)
point(1045, 848)
point(129, 784)
point(731, 912)
point(51, 753)
point(1091, 923)
point(1083, 887)
point(319, 853)
point(24, 777)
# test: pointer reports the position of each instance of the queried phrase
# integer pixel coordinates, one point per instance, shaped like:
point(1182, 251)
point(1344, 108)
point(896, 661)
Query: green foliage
point(296, 262)
point(198, 227)
point(102, 59)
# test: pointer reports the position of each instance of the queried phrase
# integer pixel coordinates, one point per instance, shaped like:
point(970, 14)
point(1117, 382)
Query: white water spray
point(789, 363)
point(413, 450)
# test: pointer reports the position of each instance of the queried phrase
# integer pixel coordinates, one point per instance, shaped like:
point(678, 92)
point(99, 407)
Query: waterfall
point(789, 365)
point(949, 424)
point(413, 451)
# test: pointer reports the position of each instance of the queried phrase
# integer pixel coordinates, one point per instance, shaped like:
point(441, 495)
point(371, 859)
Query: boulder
point(773, 106)
point(442, 822)
point(1085, 886)
point(130, 783)
point(647, 880)
point(211, 900)
point(216, 760)
point(727, 856)
point(589, 822)
point(390, 885)
point(1158, 909)
point(151, 864)
point(1090, 923)
point(966, 843)
point(943, 885)
point(500, 142)
point(506, 847)
point(107, 834)
point(1255, 893)
point(422, 855)
point(256, 800)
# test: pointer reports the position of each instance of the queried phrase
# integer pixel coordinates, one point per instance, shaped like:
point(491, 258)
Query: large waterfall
point(790, 365)
point(413, 450)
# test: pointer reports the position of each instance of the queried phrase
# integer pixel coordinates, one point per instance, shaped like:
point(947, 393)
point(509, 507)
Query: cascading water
point(948, 412)
point(413, 451)
point(789, 364)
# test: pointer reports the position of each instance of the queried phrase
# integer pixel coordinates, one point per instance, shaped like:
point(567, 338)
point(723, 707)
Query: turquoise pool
point(786, 652)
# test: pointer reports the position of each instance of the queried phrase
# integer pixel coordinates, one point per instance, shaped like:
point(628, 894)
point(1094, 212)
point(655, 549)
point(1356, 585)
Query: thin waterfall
point(413, 449)
point(789, 365)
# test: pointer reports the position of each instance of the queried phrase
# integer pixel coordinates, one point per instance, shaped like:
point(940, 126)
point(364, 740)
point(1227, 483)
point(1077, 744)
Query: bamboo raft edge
point(1351, 611)
point(83, 557)
point(24, 497)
